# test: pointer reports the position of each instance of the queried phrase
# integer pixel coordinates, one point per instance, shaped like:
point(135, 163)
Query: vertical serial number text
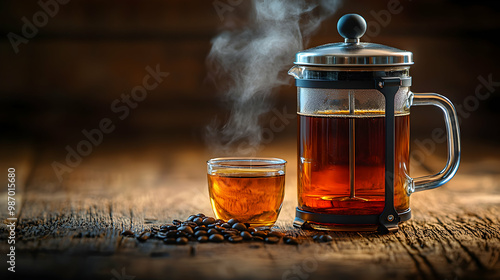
point(11, 220)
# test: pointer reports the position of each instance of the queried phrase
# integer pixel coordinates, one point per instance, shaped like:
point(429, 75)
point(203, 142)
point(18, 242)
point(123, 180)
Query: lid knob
point(351, 27)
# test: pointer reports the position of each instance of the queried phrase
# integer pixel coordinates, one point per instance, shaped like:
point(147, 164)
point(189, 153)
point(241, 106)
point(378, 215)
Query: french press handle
point(453, 136)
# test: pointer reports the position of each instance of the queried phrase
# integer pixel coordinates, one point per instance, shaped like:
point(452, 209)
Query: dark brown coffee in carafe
point(325, 179)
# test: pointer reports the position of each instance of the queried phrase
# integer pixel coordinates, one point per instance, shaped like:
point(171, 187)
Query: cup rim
point(246, 162)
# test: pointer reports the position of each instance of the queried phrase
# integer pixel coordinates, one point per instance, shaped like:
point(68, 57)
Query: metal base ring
point(305, 219)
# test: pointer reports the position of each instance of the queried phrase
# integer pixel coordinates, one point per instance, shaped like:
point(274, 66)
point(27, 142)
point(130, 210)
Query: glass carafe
point(353, 111)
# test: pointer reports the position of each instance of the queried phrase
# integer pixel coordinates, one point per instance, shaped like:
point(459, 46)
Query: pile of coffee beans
point(202, 228)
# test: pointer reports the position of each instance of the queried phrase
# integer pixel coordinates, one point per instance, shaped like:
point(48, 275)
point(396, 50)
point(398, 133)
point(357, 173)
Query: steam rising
point(251, 62)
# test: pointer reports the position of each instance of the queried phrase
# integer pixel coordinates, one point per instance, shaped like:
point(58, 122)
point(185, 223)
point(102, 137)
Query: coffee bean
point(246, 235)
point(201, 215)
point(198, 221)
point(163, 229)
point(167, 228)
point(219, 228)
point(172, 233)
point(213, 231)
point(155, 229)
point(176, 222)
point(211, 225)
point(239, 226)
point(208, 221)
point(276, 233)
point(181, 234)
point(232, 221)
point(202, 239)
point(144, 236)
point(169, 240)
point(227, 235)
point(127, 233)
point(200, 228)
point(189, 224)
point(326, 238)
point(219, 221)
point(182, 240)
point(161, 235)
point(260, 233)
point(230, 230)
point(250, 229)
point(201, 233)
point(322, 238)
point(257, 238)
point(216, 238)
point(226, 225)
point(235, 239)
point(186, 229)
point(292, 241)
point(191, 218)
point(272, 239)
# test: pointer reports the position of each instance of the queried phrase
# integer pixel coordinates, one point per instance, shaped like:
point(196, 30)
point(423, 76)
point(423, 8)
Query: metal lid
point(352, 52)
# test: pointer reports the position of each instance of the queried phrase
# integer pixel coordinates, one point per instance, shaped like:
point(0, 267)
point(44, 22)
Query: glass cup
point(250, 190)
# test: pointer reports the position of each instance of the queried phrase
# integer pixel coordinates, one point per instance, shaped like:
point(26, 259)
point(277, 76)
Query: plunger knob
point(351, 27)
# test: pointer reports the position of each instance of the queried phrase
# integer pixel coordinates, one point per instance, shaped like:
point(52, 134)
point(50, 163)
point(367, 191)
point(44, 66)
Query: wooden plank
point(454, 232)
point(21, 157)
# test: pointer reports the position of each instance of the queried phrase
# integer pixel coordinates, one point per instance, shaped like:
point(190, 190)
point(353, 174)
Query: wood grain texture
point(71, 230)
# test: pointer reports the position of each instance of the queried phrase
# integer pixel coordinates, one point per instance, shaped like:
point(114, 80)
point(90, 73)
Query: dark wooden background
point(91, 52)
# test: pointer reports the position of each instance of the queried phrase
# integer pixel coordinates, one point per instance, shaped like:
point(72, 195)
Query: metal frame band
point(356, 84)
point(389, 218)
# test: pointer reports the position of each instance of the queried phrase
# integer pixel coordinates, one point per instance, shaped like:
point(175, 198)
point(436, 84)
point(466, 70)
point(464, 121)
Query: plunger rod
point(352, 142)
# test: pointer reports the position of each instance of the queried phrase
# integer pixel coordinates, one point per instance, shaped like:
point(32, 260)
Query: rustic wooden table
point(71, 229)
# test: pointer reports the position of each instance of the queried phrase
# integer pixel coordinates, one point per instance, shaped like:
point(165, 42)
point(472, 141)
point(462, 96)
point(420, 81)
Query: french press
point(354, 104)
